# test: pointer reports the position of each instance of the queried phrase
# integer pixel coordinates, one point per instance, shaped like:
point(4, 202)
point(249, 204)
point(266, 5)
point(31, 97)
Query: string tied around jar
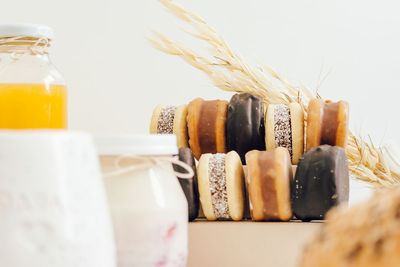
point(147, 162)
point(24, 45)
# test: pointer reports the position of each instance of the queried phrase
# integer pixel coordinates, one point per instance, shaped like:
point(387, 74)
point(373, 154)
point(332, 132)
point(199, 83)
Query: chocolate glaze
point(206, 126)
point(189, 186)
point(329, 123)
point(245, 124)
point(321, 182)
point(266, 165)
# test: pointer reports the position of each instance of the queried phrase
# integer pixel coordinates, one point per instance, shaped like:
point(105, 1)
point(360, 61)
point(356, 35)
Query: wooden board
point(247, 243)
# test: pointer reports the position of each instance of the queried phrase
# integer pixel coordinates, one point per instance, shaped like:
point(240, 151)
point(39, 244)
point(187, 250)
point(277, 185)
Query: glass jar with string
point(148, 208)
point(33, 93)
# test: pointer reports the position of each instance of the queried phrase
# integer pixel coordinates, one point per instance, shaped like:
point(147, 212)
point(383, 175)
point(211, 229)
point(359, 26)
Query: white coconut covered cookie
point(221, 186)
point(168, 119)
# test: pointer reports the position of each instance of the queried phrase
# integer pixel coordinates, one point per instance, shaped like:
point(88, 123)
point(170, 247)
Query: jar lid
point(28, 30)
point(137, 144)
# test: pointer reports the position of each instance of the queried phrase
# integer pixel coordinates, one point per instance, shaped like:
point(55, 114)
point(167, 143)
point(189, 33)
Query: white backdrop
point(115, 77)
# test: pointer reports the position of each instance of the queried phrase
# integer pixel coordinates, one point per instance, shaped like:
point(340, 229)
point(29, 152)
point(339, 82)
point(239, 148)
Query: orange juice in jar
point(33, 94)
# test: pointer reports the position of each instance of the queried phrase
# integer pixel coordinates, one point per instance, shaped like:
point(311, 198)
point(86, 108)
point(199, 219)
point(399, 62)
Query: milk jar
point(53, 206)
point(148, 207)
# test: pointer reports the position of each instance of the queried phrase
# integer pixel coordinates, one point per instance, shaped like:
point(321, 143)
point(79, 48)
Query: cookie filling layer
point(329, 123)
point(266, 163)
point(206, 128)
point(166, 120)
point(283, 128)
point(217, 180)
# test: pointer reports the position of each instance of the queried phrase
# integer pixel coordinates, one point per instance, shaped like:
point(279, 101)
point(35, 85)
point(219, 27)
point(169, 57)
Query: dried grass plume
point(366, 234)
point(230, 72)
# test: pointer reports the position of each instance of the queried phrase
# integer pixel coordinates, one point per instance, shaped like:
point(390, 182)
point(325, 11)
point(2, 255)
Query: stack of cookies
point(268, 139)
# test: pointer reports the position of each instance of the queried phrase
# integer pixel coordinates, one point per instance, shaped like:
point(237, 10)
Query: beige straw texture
point(230, 72)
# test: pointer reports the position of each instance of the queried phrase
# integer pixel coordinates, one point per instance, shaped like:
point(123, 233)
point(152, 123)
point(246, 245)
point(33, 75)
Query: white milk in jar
point(53, 208)
point(148, 206)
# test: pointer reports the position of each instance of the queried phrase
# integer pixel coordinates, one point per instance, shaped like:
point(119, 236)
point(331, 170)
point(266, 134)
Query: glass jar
point(33, 93)
point(53, 206)
point(148, 207)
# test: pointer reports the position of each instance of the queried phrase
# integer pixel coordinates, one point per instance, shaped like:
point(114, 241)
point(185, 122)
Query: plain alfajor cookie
point(245, 129)
point(221, 186)
point(327, 123)
point(285, 128)
point(268, 184)
point(206, 122)
point(168, 119)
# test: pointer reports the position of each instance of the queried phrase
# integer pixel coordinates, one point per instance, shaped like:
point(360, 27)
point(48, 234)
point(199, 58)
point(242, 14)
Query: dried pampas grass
point(230, 72)
point(366, 234)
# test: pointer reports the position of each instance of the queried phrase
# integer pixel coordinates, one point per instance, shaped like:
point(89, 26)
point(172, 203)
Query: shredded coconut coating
point(166, 120)
point(219, 196)
point(283, 128)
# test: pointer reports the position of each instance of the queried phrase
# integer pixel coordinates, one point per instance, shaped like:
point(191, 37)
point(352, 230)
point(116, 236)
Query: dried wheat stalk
point(230, 72)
